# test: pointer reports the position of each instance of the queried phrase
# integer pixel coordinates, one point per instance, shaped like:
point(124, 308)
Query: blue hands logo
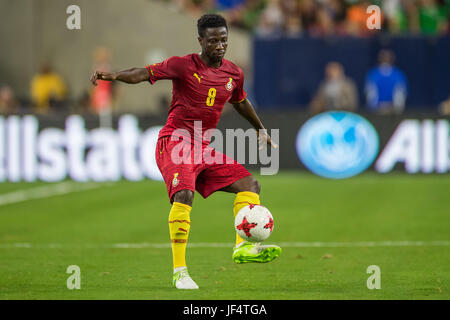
point(337, 144)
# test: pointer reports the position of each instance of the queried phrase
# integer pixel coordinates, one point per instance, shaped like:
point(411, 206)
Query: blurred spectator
point(308, 14)
point(47, 88)
point(271, 21)
point(386, 86)
point(433, 19)
point(8, 103)
point(195, 7)
point(102, 95)
point(444, 107)
point(395, 15)
point(228, 4)
point(336, 9)
point(325, 23)
point(293, 27)
point(336, 92)
point(246, 16)
point(445, 4)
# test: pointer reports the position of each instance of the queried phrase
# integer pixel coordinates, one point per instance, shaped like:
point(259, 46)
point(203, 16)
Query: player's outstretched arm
point(246, 110)
point(133, 75)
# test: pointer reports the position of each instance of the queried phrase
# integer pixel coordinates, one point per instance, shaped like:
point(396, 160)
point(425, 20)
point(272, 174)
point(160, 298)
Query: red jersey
point(199, 91)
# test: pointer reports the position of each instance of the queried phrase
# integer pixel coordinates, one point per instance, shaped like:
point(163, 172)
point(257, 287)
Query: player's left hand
point(264, 139)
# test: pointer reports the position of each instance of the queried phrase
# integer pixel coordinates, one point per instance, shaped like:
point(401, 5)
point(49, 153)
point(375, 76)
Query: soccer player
point(202, 84)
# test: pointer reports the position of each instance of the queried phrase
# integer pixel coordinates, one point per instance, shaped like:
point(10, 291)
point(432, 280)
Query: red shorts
point(197, 172)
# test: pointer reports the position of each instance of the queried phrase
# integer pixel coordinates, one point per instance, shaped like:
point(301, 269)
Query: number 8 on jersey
point(211, 97)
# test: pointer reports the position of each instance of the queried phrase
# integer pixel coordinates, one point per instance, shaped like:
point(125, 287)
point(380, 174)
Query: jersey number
point(211, 97)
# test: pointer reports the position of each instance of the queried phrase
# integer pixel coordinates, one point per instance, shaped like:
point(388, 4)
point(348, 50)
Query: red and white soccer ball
point(254, 223)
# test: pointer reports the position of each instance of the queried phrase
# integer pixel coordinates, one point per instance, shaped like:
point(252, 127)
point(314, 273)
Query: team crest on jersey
point(175, 180)
point(229, 85)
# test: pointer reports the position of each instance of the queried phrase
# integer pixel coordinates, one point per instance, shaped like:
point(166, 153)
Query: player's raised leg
point(179, 226)
point(247, 192)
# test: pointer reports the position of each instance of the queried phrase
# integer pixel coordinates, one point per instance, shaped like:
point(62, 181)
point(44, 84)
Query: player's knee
point(256, 187)
point(250, 184)
point(184, 196)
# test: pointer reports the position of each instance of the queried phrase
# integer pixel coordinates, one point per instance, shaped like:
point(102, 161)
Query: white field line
point(46, 191)
point(145, 245)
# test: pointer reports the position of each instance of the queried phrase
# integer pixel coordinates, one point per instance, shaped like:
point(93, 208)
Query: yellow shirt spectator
point(46, 86)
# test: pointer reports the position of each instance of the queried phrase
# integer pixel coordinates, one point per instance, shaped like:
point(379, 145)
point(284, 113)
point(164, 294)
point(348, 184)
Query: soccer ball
point(254, 223)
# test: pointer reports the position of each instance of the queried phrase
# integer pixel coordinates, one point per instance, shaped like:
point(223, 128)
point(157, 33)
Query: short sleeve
point(239, 93)
point(171, 68)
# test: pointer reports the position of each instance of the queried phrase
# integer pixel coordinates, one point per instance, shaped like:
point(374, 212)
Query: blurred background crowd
point(385, 87)
point(326, 17)
point(49, 92)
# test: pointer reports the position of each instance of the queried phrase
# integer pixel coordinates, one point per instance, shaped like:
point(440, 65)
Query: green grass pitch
point(117, 234)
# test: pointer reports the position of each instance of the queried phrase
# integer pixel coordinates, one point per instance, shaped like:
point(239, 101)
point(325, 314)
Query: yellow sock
point(179, 225)
point(244, 199)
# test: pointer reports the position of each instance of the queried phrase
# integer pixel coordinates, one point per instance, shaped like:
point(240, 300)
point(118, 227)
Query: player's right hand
point(98, 75)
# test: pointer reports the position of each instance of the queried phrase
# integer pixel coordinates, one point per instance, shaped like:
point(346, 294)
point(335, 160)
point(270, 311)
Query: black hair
point(210, 21)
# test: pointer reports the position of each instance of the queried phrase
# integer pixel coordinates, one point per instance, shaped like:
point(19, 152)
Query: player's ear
point(200, 41)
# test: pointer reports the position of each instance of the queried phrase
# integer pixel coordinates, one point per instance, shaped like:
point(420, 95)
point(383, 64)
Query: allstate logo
point(337, 144)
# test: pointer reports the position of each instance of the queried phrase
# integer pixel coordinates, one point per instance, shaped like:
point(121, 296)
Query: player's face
point(214, 43)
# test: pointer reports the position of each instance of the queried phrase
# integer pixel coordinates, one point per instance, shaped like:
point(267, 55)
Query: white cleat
point(182, 280)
